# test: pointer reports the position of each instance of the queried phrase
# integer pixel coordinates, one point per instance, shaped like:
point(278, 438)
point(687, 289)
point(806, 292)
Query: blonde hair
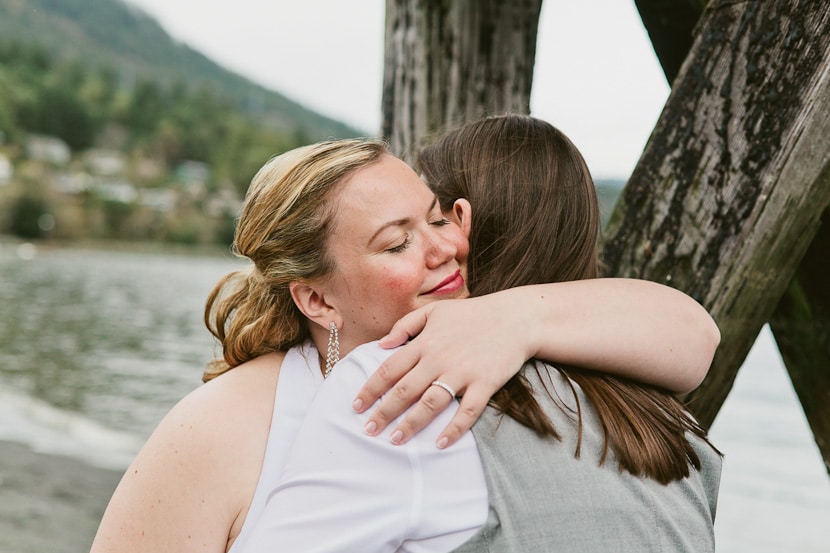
point(282, 229)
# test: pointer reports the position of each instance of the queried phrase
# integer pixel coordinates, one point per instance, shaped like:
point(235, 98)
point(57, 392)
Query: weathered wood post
point(732, 184)
point(451, 61)
point(801, 325)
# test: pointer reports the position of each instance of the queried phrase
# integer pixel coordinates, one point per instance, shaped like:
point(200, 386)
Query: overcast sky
point(596, 76)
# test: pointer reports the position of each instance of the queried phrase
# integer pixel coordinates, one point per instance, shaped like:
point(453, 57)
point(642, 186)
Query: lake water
point(96, 345)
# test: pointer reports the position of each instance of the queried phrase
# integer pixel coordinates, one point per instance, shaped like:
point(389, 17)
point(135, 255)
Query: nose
point(439, 249)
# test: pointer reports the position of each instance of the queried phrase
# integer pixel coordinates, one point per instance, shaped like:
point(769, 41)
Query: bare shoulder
point(222, 429)
point(217, 412)
point(242, 387)
point(197, 472)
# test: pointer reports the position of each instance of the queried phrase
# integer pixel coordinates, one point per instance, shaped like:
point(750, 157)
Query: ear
point(462, 215)
point(311, 301)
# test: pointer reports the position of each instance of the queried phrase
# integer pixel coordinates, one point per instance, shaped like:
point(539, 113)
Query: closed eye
point(441, 222)
point(402, 246)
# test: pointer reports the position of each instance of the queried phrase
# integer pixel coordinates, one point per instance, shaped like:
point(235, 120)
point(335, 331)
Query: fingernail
point(371, 427)
point(396, 437)
point(358, 404)
point(442, 442)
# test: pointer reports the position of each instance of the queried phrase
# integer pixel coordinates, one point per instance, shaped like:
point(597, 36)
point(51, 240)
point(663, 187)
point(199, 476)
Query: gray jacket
point(542, 498)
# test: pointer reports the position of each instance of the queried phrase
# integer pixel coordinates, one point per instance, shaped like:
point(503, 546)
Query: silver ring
point(447, 387)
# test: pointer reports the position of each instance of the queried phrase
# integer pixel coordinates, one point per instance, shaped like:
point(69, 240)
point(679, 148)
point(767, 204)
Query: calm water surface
point(96, 345)
point(113, 337)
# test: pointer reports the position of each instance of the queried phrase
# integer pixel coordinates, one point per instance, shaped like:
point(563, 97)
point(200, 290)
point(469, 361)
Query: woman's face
point(393, 251)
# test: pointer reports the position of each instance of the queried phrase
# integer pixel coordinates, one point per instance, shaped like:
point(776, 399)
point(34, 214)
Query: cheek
point(462, 245)
point(379, 299)
point(463, 253)
point(398, 288)
point(386, 287)
point(400, 283)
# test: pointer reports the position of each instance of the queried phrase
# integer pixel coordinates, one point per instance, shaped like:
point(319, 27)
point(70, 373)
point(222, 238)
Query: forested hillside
point(168, 123)
point(113, 34)
point(110, 129)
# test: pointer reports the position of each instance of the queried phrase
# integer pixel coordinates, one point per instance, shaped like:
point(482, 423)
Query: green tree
point(60, 112)
point(26, 213)
point(146, 108)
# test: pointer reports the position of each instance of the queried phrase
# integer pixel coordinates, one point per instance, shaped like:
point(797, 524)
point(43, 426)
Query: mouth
point(451, 284)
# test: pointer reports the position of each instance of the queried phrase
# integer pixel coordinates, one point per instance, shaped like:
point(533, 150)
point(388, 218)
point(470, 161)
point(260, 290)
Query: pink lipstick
point(451, 284)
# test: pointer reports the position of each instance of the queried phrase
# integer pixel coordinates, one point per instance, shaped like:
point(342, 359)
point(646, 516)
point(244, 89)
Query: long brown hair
point(535, 220)
point(282, 229)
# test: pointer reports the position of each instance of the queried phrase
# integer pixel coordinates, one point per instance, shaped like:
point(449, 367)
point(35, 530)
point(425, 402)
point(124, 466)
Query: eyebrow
point(400, 222)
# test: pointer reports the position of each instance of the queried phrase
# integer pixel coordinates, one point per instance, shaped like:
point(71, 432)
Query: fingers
point(408, 326)
point(470, 408)
point(409, 389)
point(432, 402)
point(392, 372)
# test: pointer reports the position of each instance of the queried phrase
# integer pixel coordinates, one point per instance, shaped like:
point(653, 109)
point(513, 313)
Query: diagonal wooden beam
point(801, 321)
point(728, 192)
point(801, 326)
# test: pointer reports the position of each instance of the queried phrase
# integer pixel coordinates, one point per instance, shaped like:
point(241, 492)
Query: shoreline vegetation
point(50, 502)
point(96, 244)
point(99, 150)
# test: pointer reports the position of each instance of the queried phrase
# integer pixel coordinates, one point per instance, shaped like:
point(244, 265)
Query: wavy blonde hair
point(283, 229)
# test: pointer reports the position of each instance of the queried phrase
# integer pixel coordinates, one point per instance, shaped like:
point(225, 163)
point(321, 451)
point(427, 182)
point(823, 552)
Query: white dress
point(298, 382)
point(342, 490)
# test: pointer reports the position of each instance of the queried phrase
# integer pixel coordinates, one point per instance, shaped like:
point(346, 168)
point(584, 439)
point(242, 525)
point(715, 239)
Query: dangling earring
point(333, 353)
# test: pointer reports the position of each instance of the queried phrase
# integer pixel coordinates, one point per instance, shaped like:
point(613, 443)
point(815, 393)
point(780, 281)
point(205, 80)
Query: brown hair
point(282, 229)
point(535, 220)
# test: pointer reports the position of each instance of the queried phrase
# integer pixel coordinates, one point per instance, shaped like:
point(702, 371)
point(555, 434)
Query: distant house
point(102, 161)
point(74, 183)
point(225, 202)
point(193, 176)
point(6, 170)
point(159, 199)
point(117, 191)
point(148, 169)
point(50, 149)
